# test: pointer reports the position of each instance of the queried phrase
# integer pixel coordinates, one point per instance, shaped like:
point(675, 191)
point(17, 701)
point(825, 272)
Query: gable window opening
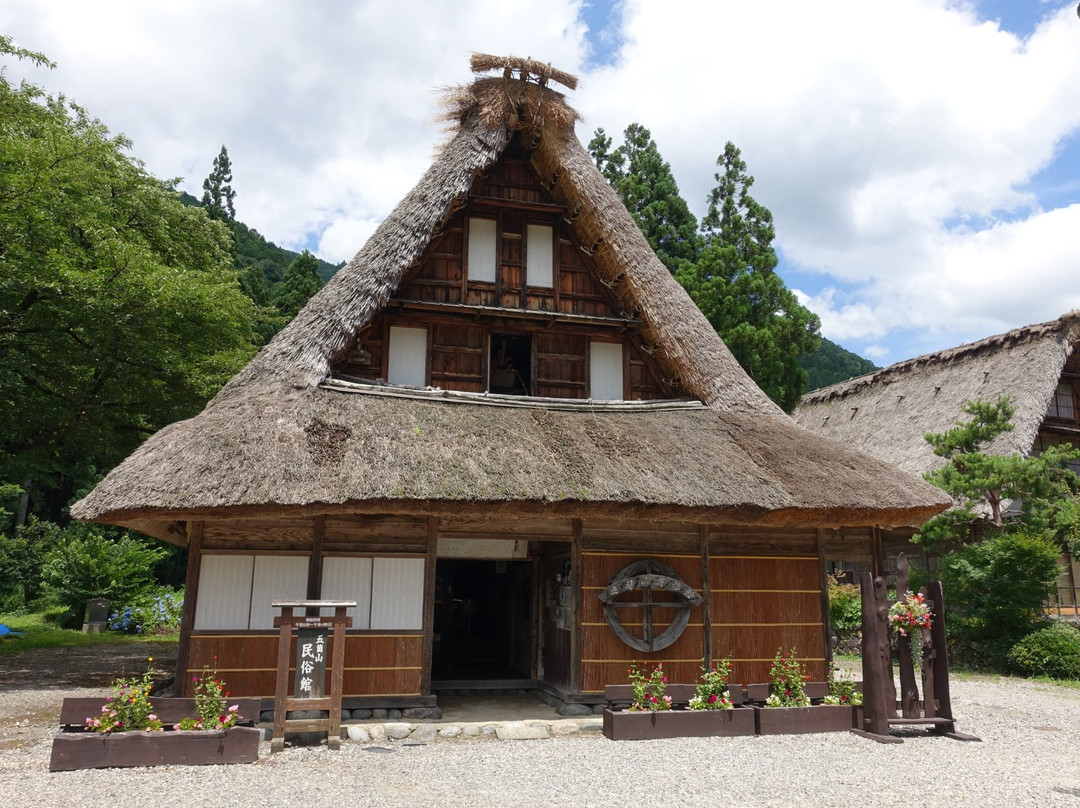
point(510, 366)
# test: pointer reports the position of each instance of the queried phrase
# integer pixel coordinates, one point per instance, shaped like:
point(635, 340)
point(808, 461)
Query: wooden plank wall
point(376, 663)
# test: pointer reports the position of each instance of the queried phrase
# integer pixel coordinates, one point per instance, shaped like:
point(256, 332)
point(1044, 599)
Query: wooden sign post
point(313, 634)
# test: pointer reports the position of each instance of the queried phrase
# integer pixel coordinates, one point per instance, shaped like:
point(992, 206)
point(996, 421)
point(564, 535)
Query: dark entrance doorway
point(483, 620)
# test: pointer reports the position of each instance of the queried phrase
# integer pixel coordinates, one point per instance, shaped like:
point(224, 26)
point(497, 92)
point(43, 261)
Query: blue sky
point(921, 157)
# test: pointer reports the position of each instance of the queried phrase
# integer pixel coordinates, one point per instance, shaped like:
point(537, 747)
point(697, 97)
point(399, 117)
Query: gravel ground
point(1030, 734)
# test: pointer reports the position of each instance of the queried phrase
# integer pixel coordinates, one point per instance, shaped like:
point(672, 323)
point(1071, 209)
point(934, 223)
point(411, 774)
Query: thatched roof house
point(505, 381)
point(887, 413)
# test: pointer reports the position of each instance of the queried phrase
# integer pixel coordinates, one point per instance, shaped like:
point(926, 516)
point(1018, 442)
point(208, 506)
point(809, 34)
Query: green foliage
point(42, 632)
point(735, 285)
point(128, 707)
point(300, 282)
point(1053, 651)
point(831, 363)
point(23, 555)
point(786, 680)
point(210, 696)
point(647, 187)
point(996, 590)
point(120, 311)
point(845, 607)
point(649, 686)
point(729, 268)
point(1043, 484)
point(711, 692)
point(89, 565)
point(218, 193)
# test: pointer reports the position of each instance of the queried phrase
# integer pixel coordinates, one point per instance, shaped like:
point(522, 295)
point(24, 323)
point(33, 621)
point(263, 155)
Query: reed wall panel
point(605, 658)
point(596, 675)
point(762, 604)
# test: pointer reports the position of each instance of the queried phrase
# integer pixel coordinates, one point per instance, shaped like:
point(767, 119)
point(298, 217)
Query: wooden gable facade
point(507, 300)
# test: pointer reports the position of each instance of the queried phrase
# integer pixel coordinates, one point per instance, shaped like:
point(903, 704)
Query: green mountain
point(830, 364)
point(252, 249)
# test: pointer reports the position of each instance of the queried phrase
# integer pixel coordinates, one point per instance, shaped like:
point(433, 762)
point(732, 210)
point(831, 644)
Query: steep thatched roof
point(279, 438)
point(887, 413)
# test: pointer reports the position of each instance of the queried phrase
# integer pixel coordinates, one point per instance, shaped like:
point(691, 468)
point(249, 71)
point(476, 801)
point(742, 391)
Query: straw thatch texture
point(274, 441)
point(287, 450)
point(887, 413)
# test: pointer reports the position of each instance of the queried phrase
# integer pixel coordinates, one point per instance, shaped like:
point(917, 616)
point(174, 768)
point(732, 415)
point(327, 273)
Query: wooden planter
point(74, 748)
point(624, 725)
point(805, 720)
point(96, 750)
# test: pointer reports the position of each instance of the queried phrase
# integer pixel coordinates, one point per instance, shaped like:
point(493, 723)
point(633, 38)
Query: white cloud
point(868, 126)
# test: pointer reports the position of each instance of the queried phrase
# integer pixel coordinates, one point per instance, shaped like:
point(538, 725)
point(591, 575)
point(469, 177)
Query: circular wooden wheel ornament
point(644, 577)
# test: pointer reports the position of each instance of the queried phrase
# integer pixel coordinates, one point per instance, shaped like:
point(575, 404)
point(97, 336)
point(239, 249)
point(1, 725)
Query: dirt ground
point(33, 684)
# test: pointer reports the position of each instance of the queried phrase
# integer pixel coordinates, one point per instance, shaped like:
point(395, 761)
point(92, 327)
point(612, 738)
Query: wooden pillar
point(315, 563)
point(182, 683)
point(706, 595)
point(429, 605)
point(577, 568)
point(826, 619)
point(877, 551)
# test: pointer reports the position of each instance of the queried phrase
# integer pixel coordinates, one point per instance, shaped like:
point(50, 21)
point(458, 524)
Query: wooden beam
point(826, 622)
point(429, 605)
point(706, 594)
point(315, 562)
point(181, 684)
point(577, 569)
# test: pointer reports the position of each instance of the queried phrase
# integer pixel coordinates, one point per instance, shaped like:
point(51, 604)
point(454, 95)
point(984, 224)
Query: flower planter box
point(624, 725)
point(74, 748)
point(95, 750)
point(805, 720)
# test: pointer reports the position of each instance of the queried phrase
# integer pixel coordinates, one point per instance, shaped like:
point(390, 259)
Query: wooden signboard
point(313, 637)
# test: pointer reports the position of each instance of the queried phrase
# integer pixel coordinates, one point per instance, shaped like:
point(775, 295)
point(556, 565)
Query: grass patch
point(39, 634)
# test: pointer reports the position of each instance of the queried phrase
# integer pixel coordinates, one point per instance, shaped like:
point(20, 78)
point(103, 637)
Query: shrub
point(1053, 651)
point(89, 565)
point(155, 611)
point(995, 592)
point(845, 607)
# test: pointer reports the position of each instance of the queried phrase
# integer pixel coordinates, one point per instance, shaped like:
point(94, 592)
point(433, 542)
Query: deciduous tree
point(120, 310)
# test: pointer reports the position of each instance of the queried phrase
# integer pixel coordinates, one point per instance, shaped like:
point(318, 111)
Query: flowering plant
point(712, 691)
point(909, 613)
point(649, 686)
point(787, 677)
point(210, 695)
point(842, 688)
point(127, 707)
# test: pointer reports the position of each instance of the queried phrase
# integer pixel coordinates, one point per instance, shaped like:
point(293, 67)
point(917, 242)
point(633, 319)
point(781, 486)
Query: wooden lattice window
point(1063, 403)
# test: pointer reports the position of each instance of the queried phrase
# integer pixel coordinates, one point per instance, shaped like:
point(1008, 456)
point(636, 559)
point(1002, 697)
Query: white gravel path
point(1028, 756)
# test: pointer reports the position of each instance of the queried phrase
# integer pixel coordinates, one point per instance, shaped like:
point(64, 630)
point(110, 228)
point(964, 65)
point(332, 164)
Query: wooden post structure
point(879, 690)
point(310, 668)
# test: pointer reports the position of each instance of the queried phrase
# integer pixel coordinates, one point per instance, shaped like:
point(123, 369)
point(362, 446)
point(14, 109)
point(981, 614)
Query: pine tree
point(647, 187)
point(218, 194)
point(735, 285)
